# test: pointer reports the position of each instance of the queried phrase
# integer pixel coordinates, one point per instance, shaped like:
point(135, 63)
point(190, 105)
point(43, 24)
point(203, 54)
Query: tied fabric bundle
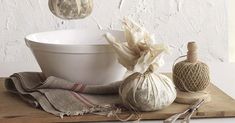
point(61, 97)
point(144, 89)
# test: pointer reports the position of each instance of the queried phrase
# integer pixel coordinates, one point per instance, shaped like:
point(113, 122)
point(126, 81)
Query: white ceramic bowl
point(77, 55)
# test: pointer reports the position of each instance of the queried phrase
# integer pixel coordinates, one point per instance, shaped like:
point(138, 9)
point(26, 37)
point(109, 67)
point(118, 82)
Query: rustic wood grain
point(13, 109)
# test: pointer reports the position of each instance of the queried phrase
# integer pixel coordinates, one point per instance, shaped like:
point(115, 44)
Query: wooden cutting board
point(13, 109)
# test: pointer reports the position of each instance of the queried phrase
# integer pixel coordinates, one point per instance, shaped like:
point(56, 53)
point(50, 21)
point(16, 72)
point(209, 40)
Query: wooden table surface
point(13, 109)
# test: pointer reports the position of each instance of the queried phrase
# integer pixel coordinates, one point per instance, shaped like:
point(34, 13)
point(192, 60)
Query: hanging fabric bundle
point(71, 9)
point(143, 89)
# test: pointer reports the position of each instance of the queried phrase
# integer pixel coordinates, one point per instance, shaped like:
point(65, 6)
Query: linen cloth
point(61, 97)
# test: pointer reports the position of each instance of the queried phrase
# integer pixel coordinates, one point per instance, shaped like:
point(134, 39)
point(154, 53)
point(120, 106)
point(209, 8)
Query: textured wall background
point(231, 25)
point(173, 21)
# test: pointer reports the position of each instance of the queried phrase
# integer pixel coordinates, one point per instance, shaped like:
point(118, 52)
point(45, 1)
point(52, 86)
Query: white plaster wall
point(231, 25)
point(173, 21)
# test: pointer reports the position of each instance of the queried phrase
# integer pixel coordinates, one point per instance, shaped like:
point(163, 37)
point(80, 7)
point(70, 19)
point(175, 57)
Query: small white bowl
point(77, 55)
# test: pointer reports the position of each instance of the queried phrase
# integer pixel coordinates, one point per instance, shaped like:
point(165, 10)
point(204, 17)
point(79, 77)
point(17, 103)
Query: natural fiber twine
point(191, 75)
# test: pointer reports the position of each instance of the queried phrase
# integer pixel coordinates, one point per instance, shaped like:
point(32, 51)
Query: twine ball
point(191, 74)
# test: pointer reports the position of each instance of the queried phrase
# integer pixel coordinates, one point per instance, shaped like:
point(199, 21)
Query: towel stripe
point(82, 88)
point(74, 86)
point(78, 87)
point(86, 99)
point(80, 99)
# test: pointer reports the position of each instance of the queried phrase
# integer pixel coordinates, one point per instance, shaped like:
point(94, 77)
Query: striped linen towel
point(61, 97)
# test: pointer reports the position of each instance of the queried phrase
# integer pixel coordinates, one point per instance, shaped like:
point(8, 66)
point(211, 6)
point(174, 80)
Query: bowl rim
point(68, 48)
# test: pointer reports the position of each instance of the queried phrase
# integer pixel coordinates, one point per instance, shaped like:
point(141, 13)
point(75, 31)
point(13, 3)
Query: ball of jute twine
point(191, 75)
